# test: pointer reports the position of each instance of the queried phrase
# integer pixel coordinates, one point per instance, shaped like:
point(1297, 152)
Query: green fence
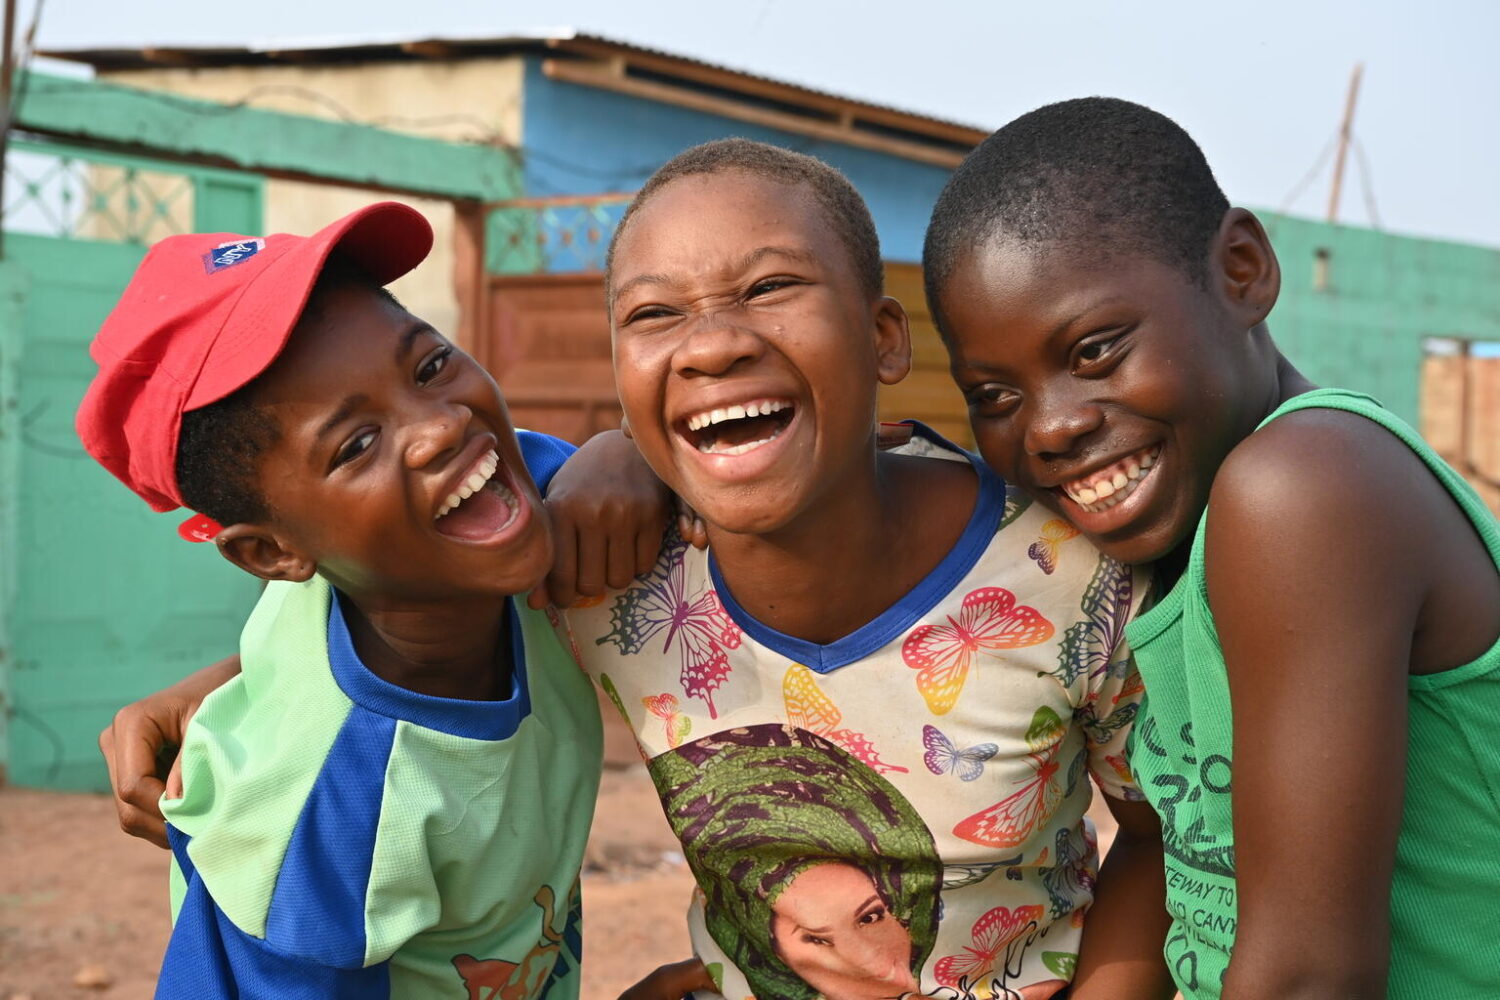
point(100, 602)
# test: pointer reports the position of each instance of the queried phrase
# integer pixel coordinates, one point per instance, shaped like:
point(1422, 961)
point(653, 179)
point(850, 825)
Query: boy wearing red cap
point(393, 797)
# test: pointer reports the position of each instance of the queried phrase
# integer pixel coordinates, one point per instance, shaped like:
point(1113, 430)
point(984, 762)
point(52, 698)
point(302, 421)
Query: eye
point(355, 447)
point(992, 397)
point(768, 285)
point(433, 365)
point(875, 916)
point(1097, 352)
point(645, 313)
point(813, 939)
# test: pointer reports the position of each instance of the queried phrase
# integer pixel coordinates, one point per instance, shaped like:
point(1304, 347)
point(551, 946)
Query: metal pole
point(7, 81)
point(1344, 129)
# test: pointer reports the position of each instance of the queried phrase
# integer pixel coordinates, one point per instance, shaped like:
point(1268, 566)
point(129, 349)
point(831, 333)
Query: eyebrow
point(861, 908)
point(1052, 334)
point(748, 261)
point(347, 407)
point(409, 337)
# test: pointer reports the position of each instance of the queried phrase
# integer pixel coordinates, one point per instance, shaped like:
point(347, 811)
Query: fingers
point(174, 779)
point(539, 598)
point(647, 547)
point(562, 581)
point(130, 759)
point(593, 548)
point(672, 982)
point(689, 525)
point(622, 559)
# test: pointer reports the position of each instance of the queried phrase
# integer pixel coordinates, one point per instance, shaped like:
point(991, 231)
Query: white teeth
point(1112, 485)
point(483, 470)
point(757, 408)
point(738, 449)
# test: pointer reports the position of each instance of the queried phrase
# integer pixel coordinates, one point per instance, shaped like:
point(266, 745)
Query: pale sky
point(1260, 86)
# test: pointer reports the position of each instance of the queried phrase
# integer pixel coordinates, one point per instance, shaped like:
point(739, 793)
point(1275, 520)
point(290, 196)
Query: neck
point(886, 526)
point(448, 649)
point(1285, 380)
point(1282, 382)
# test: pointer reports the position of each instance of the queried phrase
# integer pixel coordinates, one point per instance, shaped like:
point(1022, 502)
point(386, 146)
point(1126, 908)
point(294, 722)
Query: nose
point(715, 345)
point(436, 434)
point(1060, 419)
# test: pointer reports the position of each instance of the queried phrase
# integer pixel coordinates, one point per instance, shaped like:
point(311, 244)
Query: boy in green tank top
point(1323, 671)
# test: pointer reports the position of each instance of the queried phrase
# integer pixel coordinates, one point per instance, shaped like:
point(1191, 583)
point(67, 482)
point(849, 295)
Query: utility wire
point(1311, 175)
point(1366, 184)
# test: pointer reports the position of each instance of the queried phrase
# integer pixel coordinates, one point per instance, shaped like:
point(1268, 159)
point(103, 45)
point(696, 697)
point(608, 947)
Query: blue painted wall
point(582, 140)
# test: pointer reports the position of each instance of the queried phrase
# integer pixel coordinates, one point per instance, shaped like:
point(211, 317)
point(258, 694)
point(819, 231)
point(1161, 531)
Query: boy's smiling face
point(1109, 388)
point(747, 352)
point(396, 471)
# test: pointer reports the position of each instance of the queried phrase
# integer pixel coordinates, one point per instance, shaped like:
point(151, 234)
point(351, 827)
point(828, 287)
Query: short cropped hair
point(841, 203)
point(219, 445)
point(1095, 170)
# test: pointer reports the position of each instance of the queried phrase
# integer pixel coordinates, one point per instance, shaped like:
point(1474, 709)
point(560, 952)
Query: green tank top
point(1445, 893)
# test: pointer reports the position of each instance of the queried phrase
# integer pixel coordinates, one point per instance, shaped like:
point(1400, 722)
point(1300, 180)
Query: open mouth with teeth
point(1105, 488)
point(735, 430)
point(483, 505)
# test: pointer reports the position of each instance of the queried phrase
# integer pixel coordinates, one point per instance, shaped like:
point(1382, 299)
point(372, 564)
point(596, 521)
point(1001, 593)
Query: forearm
point(1290, 962)
point(1121, 954)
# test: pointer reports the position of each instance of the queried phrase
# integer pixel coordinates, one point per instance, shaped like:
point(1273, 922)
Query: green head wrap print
point(755, 808)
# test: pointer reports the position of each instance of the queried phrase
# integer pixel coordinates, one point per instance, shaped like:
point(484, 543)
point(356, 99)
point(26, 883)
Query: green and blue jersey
point(339, 836)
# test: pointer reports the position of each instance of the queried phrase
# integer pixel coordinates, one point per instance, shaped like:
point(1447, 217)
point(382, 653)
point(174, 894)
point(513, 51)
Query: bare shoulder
point(1330, 469)
point(1334, 508)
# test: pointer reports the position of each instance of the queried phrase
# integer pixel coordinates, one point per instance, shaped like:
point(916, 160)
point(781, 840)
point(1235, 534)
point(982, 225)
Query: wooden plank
point(588, 75)
point(297, 147)
point(470, 283)
point(838, 109)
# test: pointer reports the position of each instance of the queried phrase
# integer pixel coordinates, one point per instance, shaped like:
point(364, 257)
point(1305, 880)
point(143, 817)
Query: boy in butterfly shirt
point(392, 799)
point(969, 680)
point(1323, 676)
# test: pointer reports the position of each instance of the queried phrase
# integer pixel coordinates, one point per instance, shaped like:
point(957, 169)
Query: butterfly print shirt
point(900, 811)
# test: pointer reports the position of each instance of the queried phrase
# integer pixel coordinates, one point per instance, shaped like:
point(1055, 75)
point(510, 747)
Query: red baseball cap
point(204, 315)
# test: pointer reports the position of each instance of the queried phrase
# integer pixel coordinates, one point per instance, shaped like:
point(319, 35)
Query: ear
point(260, 551)
point(1246, 266)
point(892, 341)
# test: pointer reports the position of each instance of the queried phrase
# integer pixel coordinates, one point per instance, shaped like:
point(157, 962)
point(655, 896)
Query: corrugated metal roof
point(551, 40)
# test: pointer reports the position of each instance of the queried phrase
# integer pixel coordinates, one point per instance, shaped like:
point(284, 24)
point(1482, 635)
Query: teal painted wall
point(100, 601)
point(1384, 295)
point(15, 281)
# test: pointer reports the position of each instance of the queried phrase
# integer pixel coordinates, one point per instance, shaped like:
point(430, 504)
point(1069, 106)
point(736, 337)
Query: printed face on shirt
point(747, 352)
point(832, 928)
point(397, 470)
point(1110, 389)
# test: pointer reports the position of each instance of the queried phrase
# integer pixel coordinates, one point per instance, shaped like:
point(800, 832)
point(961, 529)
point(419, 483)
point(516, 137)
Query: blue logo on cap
point(229, 254)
